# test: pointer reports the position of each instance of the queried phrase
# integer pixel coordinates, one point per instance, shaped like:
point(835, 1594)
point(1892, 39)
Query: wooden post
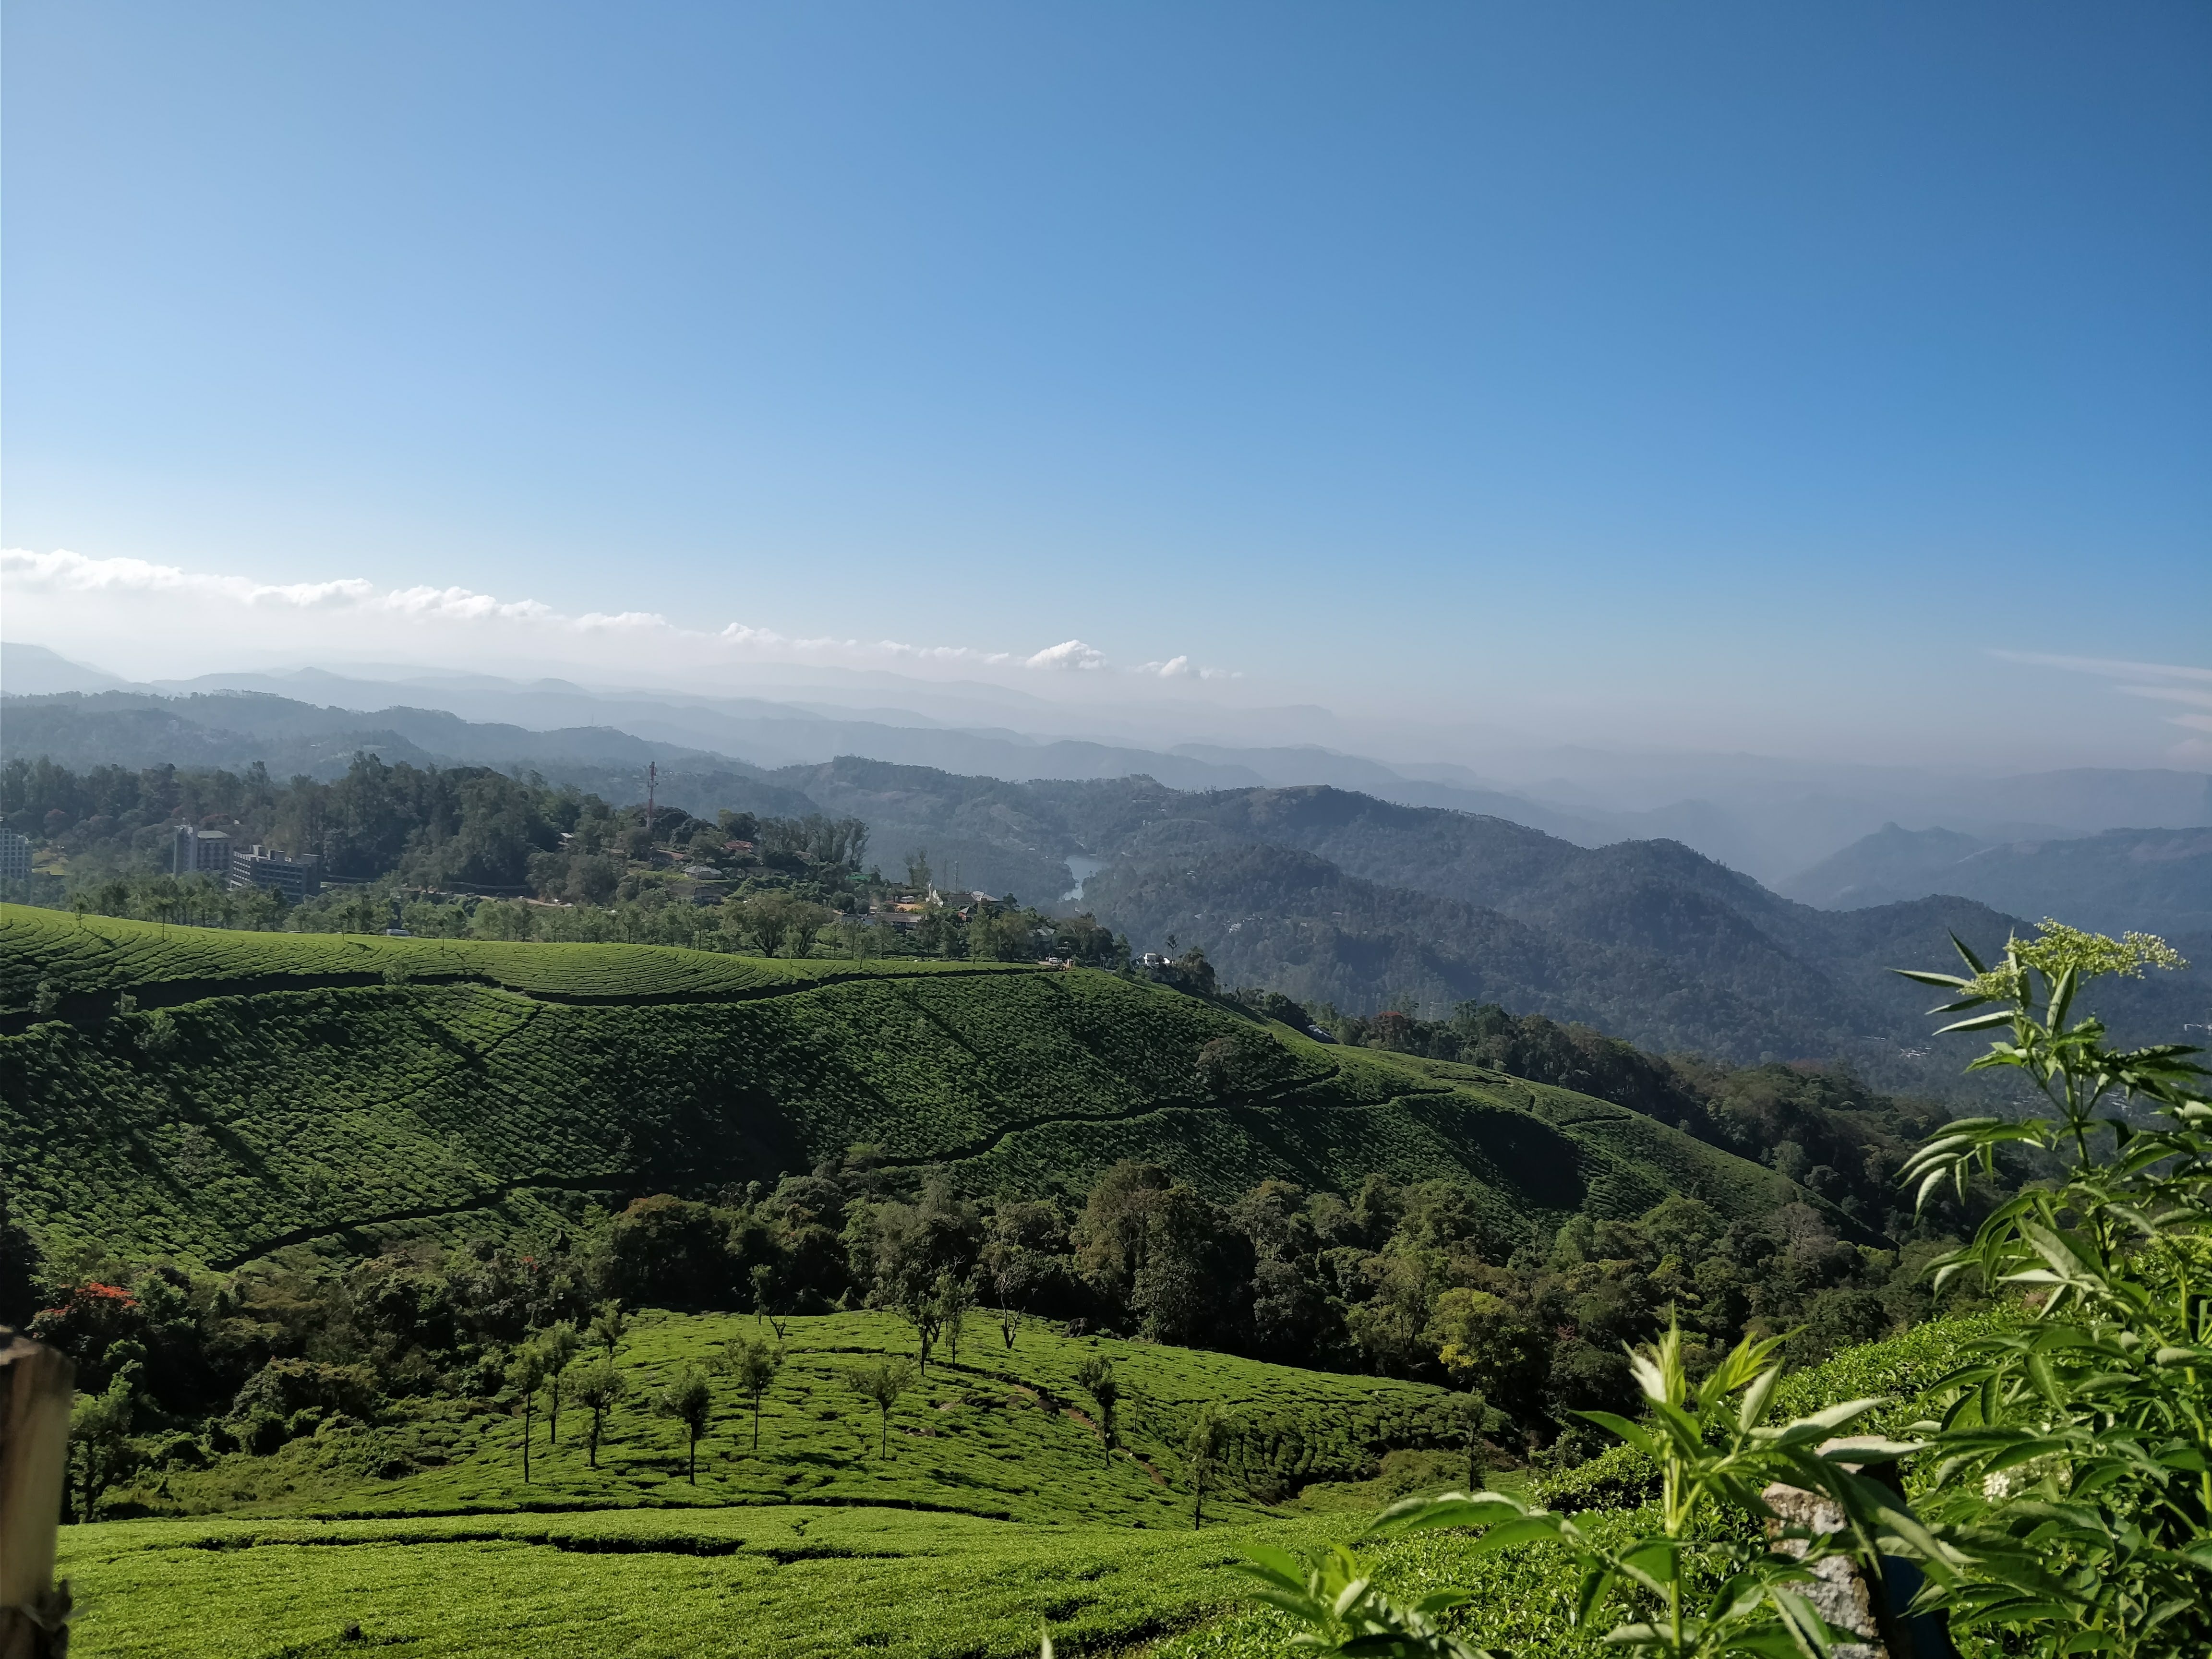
point(37, 1386)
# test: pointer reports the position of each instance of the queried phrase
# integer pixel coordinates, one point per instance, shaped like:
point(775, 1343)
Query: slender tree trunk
point(884, 1445)
point(525, 1445)
point(756, 1422)
point(693, 1473)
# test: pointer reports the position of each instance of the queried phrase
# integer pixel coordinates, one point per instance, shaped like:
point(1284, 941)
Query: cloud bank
point(173, 618)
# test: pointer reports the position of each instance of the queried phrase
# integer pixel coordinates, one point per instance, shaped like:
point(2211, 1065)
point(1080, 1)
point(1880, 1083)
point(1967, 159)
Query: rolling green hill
point(1004, 1433)
point(272, 1089)
point(86, 964)
point(996, 1507)
point(996, 1510)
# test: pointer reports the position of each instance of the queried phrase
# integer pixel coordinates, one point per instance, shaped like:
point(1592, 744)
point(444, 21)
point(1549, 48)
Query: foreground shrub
point(2064, 1492)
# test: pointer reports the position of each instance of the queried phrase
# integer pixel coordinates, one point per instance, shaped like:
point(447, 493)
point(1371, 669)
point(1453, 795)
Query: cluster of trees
point(1420, 1281)
point(453, 829)
point(456, 852)
point(432, 826)
point(1816, 1123)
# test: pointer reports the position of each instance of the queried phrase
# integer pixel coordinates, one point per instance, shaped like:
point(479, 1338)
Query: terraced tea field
point(278, 1107)
point(786, 1584)
point(997, 1507)
point(904, 1554)
point(89, 961)
point(1001, 1433)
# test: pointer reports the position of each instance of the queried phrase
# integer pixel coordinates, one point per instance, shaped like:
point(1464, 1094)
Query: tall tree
point(1096, 1378)
point(560, 1345)
point(752, 1366)
point(955, 1296)
point(883, 1383)
point(526, 1375)
point(1466, 1413)
point(609, 1321)
point(1202, 1445)
point(687, 1397)
point(598, 1388)
point(763, 1279)
point(99, 1438)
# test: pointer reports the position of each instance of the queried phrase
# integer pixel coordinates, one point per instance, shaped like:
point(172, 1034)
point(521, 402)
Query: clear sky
point(1712, 374)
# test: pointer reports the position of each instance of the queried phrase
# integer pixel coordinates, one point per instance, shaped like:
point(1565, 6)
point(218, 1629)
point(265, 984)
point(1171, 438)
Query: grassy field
point(1001, 1433)
point(996, 1508)
point(98, 957)
point(279, 1108)
point(650, 1585)
point(903, 1555)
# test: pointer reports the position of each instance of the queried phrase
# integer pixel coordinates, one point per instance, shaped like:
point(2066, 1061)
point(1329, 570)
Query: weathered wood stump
point(37, 1386)
point(1872, 1608)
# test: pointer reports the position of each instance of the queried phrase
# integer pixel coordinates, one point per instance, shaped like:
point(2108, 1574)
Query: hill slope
point(1324, 894)
point(286, 1100)
point(990, 1506)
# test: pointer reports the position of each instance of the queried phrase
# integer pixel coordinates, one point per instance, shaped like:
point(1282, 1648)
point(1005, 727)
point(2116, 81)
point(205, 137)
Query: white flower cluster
point(2001, 1484)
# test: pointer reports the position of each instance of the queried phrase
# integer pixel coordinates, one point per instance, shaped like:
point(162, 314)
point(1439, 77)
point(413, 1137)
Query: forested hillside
point(1333, 896)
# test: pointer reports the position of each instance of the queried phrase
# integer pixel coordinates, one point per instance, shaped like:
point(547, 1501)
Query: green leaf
point(1265, 1561)
point(1948, 981)
point(1625, 1430)
point(1443, 1600)
point(2062, 996)
point(1485, 1509)
point(1978, 1023)
point(1590, 1592)
point(1971, 959)
point(1507, 1534)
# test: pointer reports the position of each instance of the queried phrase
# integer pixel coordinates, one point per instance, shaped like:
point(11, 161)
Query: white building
point(200, 853)
point(15, 857)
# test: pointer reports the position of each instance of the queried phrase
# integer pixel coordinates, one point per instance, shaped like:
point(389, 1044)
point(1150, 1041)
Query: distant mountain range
point(2155, 880)
point(1325, 893)
point(1771, 818)
point(1328, 895)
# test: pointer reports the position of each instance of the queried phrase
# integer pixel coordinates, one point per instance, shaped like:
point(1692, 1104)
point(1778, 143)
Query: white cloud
point(177, 616)
point(1068, 654)
point(1181, 668)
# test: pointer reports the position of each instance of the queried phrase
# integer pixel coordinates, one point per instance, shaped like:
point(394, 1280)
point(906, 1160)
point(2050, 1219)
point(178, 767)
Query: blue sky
point(1740, 376)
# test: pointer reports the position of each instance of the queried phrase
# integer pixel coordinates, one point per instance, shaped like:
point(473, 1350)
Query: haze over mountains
point(1772, 819)
point(2152, 880)
point(1327, 876)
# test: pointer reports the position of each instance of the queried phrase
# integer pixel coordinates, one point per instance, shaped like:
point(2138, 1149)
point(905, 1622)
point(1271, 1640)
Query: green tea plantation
point(209, 1096)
